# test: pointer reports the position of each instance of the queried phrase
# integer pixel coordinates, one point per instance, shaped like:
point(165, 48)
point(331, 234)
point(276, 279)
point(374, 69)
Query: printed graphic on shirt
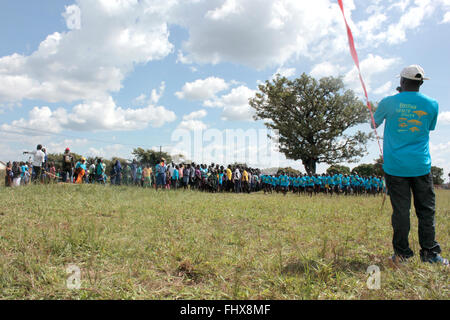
point(407, 113)
point(420, 113)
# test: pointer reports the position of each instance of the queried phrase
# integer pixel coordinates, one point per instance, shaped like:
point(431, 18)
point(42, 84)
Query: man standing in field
point(67, 165)
point(410, 116)
point(161, 170)
point(38, 161)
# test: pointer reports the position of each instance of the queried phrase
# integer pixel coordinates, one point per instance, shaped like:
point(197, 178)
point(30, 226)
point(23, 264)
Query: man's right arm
point(379, 115)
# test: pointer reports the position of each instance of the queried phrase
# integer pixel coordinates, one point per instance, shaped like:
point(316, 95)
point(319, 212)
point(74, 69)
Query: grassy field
point(132, 243)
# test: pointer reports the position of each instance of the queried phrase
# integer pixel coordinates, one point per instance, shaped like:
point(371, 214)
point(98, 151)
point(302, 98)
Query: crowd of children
point(324, 183)
point(212, 178)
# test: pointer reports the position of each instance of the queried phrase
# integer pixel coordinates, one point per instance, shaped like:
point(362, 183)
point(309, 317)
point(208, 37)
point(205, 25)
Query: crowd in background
point(188, 176)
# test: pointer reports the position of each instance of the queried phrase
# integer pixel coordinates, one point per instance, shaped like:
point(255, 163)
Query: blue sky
point(102, 76)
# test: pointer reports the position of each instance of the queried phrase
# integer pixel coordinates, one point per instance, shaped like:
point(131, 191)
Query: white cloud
point(411, 19)
point(106, 39)
point(401, 5)
point(444, 118)
point(140, 100)
point(228, 8)
point(96, 115)
point(259, 33)
point(326, 69)
point(440, 153)
point(192, 125)
point(156, 95)
point(235, 104)
point(112, 117)
point(75, 145)
point(446, 18)
point(73, 17)
point(384, 89)
point(191, 121)
point(285, 72)
point(181, 58)
point(202, 89)
point(196, 115)
point(370, 67)
point(109, 151)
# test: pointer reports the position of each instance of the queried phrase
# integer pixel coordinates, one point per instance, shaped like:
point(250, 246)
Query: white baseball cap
point(414, 72)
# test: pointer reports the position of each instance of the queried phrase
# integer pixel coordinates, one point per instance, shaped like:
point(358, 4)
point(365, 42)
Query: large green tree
point(312, 118)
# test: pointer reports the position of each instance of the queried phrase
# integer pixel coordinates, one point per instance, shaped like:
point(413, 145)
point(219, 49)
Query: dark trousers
point(422, 189)
point(237, 186)
point(66, 175)
point(36, 174)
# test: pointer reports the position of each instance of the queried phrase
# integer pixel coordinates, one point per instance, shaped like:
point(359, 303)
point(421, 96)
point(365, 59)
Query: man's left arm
point(435, 117)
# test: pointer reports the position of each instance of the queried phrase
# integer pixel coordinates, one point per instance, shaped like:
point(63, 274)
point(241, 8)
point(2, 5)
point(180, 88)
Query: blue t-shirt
point(410, 116)
point(274, 181)
point(80, 165)
point(284, 182)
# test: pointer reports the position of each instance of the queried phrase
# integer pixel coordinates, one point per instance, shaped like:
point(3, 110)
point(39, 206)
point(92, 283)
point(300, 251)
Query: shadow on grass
point(303, 266)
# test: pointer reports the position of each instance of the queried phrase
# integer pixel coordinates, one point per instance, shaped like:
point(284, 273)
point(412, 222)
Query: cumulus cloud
point(192, 125)
point(326, 69)
point(259, 33)
point(191, 121)
point(413, 15)
point(285, 72)
point(371, 66)
point(444, 118)
point(384, 89)
point(153, 98)
point(228, 8)
point(446, 18)
point(96, 115)
point(157, 93)
point(109, 151)
point(196, 115)
point(235, 104)
point(202, 89)
point(72, 15)
point(106, 39)
point(140, 100)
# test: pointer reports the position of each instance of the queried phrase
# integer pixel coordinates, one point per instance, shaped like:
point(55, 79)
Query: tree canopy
point(57, 159)
point(312, 118)
point(438, 175)
point(289, 171)
point(365, 169)
point(150, 157)
point(338, 169)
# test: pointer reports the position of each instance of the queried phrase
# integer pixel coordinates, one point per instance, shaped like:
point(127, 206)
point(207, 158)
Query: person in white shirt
point(38, 160)
point(237, 180)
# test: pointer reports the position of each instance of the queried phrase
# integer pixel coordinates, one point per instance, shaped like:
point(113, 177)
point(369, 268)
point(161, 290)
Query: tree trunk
point(310, 165)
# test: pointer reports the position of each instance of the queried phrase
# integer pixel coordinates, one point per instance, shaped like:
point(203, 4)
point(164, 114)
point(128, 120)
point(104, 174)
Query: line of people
point(325, 183)
point(212, 178)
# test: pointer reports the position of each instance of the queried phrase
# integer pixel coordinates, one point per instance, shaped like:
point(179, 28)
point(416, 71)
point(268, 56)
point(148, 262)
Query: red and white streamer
point(354, 54)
